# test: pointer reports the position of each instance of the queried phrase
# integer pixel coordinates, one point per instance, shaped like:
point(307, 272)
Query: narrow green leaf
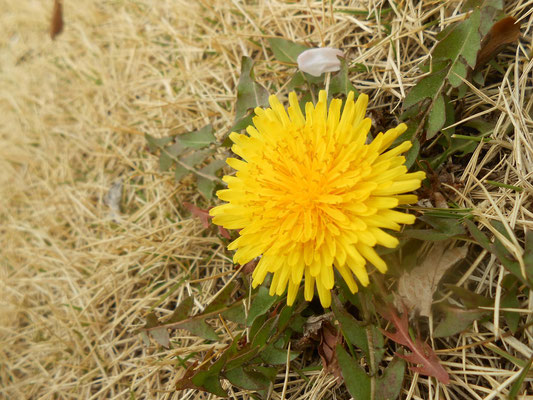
point(198, 139)
point(165, 161)
point(250, 94)
point(482, 240)
point(247, 378)
point(285, 50)
point(276, 356)
point(428, 87)
point(412, 154)
point(356, 380)
point(179, 172)
point(157, 143)
point(389, 385)
point(469, 298)
point(515, 388)
point(206, 187)
point(460, 45)
point(528, 255)
point(444, 225)
point(182, 311)
point(354, 331)
point(436, 117)
point(200, 328)
point(456, 320)
point(263, 334)
point(160, 335)
point(222, 299)
point(510, 300)
point(196, 157)
point(210, 381)
point(426, 234)
point(340, 83)
point(241, 124)
point(261, 304)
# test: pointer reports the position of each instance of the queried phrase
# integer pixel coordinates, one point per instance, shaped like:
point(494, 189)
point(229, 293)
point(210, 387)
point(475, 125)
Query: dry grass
point(75, 284)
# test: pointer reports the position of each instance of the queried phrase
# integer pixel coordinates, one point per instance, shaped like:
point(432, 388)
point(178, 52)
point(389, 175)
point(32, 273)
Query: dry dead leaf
point(56, 23)
point(502, 33)
point(329, 338)
point(416, 288)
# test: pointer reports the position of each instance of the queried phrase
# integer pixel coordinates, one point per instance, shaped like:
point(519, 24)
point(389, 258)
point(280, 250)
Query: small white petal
point(317, 61)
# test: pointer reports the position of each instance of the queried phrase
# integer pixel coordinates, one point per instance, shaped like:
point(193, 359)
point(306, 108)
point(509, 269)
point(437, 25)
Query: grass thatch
point(75, 282)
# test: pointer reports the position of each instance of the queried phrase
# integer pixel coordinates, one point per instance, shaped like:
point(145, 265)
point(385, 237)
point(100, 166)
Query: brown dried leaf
point(314, 323)
point(204, 217)
point(56, 23)
point(329, 338)
point(502, 33)
point(421, 352)
point(249, 267)
point(416, 288)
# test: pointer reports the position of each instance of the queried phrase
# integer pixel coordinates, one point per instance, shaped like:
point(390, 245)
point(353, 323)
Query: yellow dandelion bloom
point(310, 195)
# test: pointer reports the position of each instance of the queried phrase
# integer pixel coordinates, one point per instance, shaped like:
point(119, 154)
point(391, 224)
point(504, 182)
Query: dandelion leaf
point(460, 47)
point(436, 117)
point(340, 83)
point(250, 94)
point(389, 385)
point(355, 378)
point(456, 319)
point(286, 51)
point(198, 139)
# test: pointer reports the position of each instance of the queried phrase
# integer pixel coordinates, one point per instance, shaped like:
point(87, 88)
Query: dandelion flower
point(310, 195)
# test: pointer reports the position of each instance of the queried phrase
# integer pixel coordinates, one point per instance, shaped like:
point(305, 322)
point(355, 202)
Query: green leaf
point(460, 45)
point(428, 87)
point(481, 239)
point(353, 330)
point(340, 83)
point(169, 155)
point(198, 139)
point(241, 124)
point(412, 154)
point(264, 333)
point(157, 143)
point(444, 225)
point(261, 304)
point(528, 255)
point(200, 328)
point(222, 300)
point(276, 356)
point(247, 378)
point(250, 94)
point(389, 385)
point(160, 335)
point(436, 117)
point(515, 388)
point(234, 313)
point(356, 380)
point(196, 157)
point(510, 300)
point(444, 228)
point(456, 320)
point(426, 234)
point(165, 161)
point(207, 186)
point(182, 311)
point(197, 327)
point(209, 380)
point(469, 298)
point(285, 50)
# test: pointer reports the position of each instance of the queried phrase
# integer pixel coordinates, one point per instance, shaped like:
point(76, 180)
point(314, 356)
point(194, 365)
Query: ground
point(77, 278)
